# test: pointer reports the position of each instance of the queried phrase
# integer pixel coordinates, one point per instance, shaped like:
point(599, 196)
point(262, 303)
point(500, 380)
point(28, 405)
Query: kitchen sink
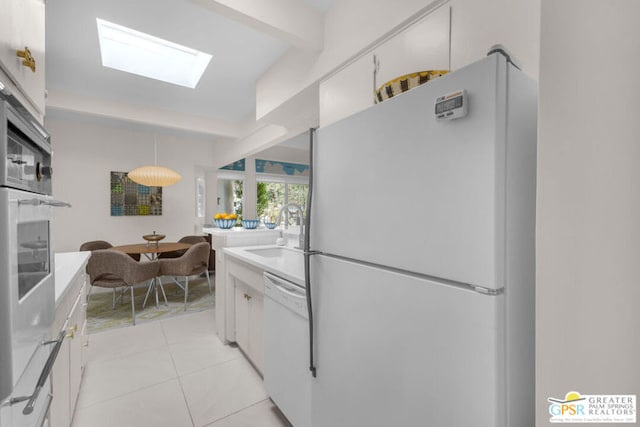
point(282, 261)
point(269, 252)
point(280, 252)
point(280, 255)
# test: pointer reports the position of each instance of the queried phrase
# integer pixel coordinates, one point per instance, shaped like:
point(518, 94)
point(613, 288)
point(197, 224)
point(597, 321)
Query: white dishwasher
point(286, 349)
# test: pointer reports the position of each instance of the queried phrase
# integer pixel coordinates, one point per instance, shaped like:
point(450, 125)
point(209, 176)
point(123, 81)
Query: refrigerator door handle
point(308, 253)
point(487, 291)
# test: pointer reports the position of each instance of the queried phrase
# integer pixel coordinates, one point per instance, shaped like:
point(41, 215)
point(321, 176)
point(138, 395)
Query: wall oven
point(27, 298)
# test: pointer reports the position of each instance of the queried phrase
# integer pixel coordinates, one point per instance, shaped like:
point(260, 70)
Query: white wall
point(476, 25)
point(285, 154)
point(588, 232)
point(86, 151)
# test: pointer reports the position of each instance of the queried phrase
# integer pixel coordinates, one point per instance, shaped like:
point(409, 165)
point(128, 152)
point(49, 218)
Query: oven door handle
point(43, 375)
point(38, 202)
point(56, 203)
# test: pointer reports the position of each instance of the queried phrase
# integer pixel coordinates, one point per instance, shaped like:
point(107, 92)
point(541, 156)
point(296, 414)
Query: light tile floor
point(173, 373)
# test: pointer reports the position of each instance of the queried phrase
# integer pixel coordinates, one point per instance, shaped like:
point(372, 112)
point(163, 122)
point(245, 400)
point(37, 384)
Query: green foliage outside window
point(273, 195)
point(237, 199)
point(263, 198)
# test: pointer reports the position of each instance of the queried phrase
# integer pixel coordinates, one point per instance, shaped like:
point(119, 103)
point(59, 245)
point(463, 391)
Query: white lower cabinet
point(59, 413)
point(248, 289)
point(242, 315)
point(77, 321)
point(249, 336)
point(66, 376)
point(256, 334)
point(224, 292)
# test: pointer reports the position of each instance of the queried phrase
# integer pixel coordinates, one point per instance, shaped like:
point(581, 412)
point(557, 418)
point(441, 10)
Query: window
point(274, 193)
point(200, 200)
point(138, 53)
point(230, 194)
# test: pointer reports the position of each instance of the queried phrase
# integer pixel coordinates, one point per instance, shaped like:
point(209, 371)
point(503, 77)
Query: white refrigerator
point(422, 275)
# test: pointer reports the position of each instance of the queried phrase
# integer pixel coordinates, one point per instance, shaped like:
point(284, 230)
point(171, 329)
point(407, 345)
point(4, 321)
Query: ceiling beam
point(292, 21)
point(263, 137)
point(99, 107)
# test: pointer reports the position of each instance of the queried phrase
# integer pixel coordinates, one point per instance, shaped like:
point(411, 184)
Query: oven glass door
point(33, 255)
point(27, 286)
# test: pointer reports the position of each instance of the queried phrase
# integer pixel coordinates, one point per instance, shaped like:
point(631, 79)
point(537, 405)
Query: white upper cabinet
point(348, 91)
point(22, 26)
point(421, 46)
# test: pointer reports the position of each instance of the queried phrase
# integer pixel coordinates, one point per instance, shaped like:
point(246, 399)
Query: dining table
point(151, 251)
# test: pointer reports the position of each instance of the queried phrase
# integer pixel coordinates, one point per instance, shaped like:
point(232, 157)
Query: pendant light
point(154, 176)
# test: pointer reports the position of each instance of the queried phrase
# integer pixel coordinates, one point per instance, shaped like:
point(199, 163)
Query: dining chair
point(113, 269)
point(195, 261)
point(95, 245)
point(186, 239)
point(102, 244)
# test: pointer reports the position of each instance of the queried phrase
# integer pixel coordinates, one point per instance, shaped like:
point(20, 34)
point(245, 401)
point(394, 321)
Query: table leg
point(163, 294)
point(153, 287)
point(149, 289)
point(153, 284)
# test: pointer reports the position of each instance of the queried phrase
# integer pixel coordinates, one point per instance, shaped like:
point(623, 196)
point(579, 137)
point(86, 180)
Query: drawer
point(247, 274)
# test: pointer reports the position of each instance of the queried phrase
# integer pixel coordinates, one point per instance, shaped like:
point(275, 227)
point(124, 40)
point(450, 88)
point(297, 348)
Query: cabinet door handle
point(247, 297)
point(28, 60)
point(72, 331)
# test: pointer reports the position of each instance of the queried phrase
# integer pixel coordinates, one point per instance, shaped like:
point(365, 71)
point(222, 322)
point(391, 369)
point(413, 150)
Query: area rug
point(101, 316)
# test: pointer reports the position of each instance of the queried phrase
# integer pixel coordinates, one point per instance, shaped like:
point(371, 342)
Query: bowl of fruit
point(250, 224)
point(225, 220)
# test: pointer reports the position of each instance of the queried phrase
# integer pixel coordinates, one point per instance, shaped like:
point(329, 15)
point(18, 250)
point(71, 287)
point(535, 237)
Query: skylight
point(138, 53)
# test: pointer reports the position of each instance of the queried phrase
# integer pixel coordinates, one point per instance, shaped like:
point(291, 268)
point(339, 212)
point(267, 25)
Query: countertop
point(290, 268)
point(67, 266)
point(237, 230)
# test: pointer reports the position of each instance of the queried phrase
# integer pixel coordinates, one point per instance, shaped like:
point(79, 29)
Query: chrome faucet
point(296, 208)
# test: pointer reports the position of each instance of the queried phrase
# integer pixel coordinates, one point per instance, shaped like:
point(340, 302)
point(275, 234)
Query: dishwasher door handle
point(282, 287)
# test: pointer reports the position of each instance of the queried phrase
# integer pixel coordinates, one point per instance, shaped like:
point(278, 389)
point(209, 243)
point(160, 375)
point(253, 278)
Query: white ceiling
point(241, 54)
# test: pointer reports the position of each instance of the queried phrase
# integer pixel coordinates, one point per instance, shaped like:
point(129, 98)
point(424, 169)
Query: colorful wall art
point(129, 198)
